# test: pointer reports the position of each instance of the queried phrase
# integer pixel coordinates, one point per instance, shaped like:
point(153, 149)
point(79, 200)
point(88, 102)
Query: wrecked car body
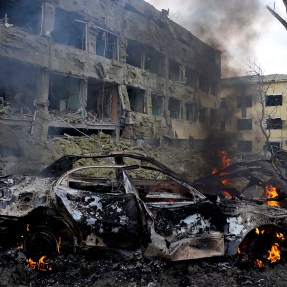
point(118, 201)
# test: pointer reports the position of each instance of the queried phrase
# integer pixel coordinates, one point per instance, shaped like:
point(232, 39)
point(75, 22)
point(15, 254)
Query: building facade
point(252, 106)
point(118, 66)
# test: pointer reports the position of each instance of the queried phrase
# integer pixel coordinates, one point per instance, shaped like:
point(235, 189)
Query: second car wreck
point(130, 201)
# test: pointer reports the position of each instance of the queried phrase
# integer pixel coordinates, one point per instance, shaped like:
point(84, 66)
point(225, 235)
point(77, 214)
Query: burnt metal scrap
point(131, 201)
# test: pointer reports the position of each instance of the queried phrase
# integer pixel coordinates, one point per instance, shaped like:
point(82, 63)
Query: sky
point(244, 30)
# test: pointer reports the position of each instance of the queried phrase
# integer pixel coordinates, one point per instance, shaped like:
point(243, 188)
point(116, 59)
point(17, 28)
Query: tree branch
point(277, 16)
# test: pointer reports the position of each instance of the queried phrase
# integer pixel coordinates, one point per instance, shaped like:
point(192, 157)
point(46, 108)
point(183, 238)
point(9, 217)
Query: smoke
point(231, 26)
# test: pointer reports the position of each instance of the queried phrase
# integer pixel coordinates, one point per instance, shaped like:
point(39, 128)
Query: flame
point(257, 231)
point(238, 250)
point(28, 227)
point(41, 264)
point(258, 263)
point(225, 161)
point(227, 194)
point(280, 236)
point(59, 245)
point(271, 192)
point(274, 253)
point(224, 181)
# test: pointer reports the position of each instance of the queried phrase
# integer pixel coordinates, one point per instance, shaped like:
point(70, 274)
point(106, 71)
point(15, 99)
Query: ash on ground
point(108, 268)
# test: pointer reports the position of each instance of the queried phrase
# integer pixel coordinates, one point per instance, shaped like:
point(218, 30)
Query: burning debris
point(252, 198)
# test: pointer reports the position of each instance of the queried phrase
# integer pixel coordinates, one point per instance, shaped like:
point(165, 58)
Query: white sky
point(270, 48)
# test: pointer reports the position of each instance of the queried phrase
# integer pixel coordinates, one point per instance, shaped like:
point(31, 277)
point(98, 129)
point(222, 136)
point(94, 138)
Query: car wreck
point(128, 201)
point(118, 201)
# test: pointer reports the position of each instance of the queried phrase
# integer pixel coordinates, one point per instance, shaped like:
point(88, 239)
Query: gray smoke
point(231, 26)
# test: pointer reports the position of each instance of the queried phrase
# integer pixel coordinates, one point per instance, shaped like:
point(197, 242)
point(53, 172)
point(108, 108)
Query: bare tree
point(263, 116)
point(277, 16)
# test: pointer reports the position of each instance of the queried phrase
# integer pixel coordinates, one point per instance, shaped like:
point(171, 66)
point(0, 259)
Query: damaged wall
point(128, 44)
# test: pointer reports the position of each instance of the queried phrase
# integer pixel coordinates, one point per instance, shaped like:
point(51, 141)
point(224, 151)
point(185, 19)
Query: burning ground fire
point(44, 263)
point(263, 237)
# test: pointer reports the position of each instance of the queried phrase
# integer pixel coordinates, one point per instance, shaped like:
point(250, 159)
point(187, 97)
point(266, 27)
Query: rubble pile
point(33, 154)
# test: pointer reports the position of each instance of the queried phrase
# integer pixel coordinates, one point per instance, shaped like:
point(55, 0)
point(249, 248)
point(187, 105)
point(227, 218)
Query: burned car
point(115, 201)
point(128, 201)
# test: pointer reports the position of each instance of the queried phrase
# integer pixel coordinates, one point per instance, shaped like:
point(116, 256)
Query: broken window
point(134, 54)
point(157, 105)
point(203, 115)
point(64, 93)
point(18, 87)
point(244, 146)
point(244, 101)
point(24, 14)
point(274, 124)
point(244, 124)
point(137, 99)
point(203, 83)
point(191, 111)
point(190, 77)
point(174, 108)
point(273, 100)
point(102, 100)
point(70, 30)
point(174, 70)
point(154, 61)
point(106, 43)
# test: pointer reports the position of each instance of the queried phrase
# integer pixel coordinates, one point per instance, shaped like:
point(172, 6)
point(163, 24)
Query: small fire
point(28, 227)
point(225, 160)
point(258, 263)
point(280, 236)
point(274, 253)
point(42, 264)
point(227, 194)
point(271, 192)
point(59, 245)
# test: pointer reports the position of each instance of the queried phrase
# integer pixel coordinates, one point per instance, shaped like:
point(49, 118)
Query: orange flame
point(271, 192)
point(258, 263)
point(227, 194)
point(41, 264)
point(280, 236)
point(59, 245)
point(238, 250)
point(225, 160)
point(274, 253)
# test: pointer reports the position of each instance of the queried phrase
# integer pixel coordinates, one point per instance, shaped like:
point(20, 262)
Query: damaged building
point(122, 67)
point(255, 108)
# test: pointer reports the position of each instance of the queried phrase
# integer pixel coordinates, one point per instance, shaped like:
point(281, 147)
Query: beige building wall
point(243, 118)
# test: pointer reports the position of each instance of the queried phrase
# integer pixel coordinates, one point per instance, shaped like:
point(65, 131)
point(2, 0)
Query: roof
point(253, 79)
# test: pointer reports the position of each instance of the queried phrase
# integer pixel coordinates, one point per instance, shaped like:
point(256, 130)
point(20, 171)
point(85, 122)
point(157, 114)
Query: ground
point(111, 269)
